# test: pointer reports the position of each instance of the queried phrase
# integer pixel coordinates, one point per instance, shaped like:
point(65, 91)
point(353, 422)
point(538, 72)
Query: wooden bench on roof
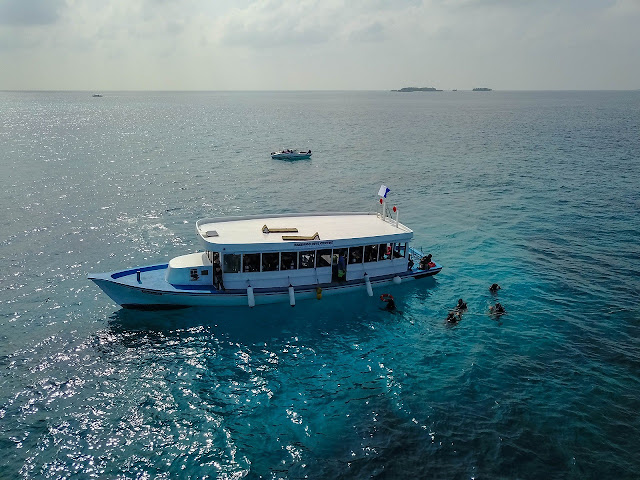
point(315, 236)
point(266, 229)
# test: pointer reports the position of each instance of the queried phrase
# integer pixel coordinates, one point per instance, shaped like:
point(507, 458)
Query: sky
point(105, 45)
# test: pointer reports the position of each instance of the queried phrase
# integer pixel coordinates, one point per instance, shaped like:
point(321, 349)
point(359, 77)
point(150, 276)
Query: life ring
point(385, 297)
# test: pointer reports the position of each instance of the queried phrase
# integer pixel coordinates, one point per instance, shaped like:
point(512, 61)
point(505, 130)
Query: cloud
point(30, 12)
point(244, 44)
point(370, 33)
point(274, 23)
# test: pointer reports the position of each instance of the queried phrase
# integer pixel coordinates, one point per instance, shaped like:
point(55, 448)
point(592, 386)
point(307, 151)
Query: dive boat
point(291, 154)
point(264, 259)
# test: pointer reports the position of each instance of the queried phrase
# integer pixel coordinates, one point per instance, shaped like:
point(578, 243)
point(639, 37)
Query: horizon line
point(323, 90)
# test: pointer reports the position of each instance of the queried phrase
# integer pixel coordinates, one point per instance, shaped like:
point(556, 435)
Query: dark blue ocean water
point(537, 191)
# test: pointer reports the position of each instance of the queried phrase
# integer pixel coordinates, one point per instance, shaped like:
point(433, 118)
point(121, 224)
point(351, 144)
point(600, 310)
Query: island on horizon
point(417, 89)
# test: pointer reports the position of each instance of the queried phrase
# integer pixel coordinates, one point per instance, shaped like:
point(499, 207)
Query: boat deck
point(334, 227)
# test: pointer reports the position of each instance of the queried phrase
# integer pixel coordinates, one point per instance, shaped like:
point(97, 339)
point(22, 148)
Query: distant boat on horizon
point(290, 154)
point(482, 89)
point(96, 95)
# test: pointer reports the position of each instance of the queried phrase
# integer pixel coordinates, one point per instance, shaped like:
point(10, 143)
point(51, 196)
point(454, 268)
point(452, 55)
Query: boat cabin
point(297, 250)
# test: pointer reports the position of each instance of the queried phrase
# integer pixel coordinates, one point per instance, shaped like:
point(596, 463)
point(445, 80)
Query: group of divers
point(495, 311)
point(455, 315)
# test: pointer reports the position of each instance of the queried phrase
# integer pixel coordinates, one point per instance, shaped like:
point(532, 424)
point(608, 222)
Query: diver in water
point(494, 288)
point(391, 305)
point(497, 310)
point(454, 316)
point(388, 299)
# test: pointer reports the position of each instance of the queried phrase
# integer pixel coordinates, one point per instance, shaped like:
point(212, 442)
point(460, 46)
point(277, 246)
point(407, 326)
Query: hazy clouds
point(29, 12)
point(314, 44)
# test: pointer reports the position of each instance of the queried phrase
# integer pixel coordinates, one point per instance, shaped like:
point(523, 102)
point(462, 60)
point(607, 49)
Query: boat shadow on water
point(354, 312)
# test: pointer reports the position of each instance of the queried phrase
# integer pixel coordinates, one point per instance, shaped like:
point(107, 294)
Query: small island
point(481, 89)
point(417, 89)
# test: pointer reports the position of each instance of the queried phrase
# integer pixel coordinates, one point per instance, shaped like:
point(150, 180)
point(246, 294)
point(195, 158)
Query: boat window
point(307, 259)
point(231, 263)
point(371, 253)
point(288, 260)
point(355, 254)
point(400, 250)
point(251, 262)
point(270, 261)
point(193, 273)
point(323, 258)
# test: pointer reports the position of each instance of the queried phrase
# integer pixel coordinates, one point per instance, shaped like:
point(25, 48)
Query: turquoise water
point(537, 191)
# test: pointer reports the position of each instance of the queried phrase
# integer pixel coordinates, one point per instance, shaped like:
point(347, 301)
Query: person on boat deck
point(342, 268)
point(424, 262)
point(217, 276)
point(410, 263)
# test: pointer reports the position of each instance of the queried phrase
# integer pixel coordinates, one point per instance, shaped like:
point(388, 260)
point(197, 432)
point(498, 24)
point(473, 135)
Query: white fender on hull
point(368, 283)
point(292, 296)
point(251, 299)
point(397, 280)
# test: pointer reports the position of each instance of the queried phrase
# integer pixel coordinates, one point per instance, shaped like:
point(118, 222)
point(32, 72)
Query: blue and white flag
point(383, 191)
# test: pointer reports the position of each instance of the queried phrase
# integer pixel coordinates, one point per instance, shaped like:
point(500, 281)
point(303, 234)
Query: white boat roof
point(245, 234)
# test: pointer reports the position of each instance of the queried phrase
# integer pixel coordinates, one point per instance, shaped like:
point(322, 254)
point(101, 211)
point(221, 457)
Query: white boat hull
point(290, 156)
point(148, 293)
